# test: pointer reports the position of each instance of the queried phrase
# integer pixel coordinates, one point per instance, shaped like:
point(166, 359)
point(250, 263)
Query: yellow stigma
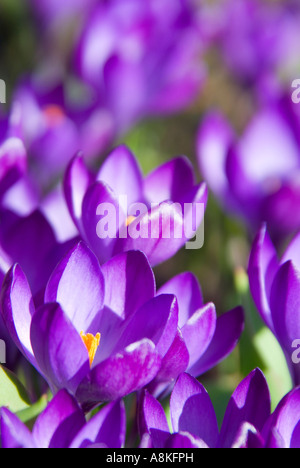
point(54, 114)
point(129, 220)
point(91, 343)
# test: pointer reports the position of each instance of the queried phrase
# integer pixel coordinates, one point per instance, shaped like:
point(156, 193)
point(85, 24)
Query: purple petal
point(171, 181)
point(285, 303)
point(248, 438)
point(17, 309)
point(263, 265)
point(199, 331)
point(121, 374)
point(107, 428)
point(58, 424)
point(101, 218)
point(293, 252)
point(249, 403)
point(77, 284)
point(159, 233)
point(125, 274)
point(188, 293)
point(14, 434)
point(76, 182)
point(156, 320)
point(192, 410)
point(183, 440)
point(228, 331)
point(152, 416)
point(121, 172)
point(58, 348)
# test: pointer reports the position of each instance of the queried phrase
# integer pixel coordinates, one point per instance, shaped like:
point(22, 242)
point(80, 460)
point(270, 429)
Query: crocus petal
point(107, 428)
point(285, 421)
point(152, 416)
point(248, 437)
point(169, 181)
point(174, 362)
point(101, 227)
point(121, 374)
point(263, 265)
point(14, 434)
point(199, 331)
point(215, 136)
point(17, 310)
point(158, 233)
point(184, 440)
point(192, 410)
point(285, 303)
point(156, 320)
point(58, 348)
point(58, 424)
point(293, 252)
point(188, 293)
point(77, 284)
point(125, 274)
point(249, 403)
point(76, 182)
point(121, 172)
point(228, 331)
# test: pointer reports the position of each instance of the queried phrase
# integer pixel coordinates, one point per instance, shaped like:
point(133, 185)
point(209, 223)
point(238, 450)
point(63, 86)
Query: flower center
point(91, 343)
point(54, 115)
point(130, 220)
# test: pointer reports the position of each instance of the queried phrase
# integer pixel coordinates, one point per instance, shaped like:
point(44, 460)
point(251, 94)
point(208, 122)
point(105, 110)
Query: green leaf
point(30, 414)
point(12, 393)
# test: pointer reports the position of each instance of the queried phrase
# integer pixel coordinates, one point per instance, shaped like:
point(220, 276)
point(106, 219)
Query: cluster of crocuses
point(84, 309)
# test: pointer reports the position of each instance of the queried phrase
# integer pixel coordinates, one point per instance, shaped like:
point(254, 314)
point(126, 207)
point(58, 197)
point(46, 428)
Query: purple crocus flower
point(13, 157)
point(119, 210)
point(101, 333)
point(255, 176)
point(141, 57)
point(266, 34)
point(193, 418)
point(203, 339)
point(274, 285)
point(63, 425)
point(56, 128)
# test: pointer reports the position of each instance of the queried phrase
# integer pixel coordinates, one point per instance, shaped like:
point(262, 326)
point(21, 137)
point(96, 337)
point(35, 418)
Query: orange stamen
point(91, 343)
point(130, 220)
point(54, 114)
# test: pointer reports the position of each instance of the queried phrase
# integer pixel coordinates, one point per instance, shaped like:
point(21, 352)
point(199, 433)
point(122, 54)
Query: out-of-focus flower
point(203, 339)
point(275, 289)
point(101, 333)
point(63, 425)
point(142, 58)
point(56, 126)
point(194, 421)
point(257, 40)
point(119, 210)
point(256, 176)
point(13, 157)
point(282, 430)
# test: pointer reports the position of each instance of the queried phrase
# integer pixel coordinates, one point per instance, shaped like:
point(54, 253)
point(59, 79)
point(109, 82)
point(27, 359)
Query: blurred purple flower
point(275, 286)
point(56, 127)
point(256, 176)
point(194, 421)
point(113, 211)
point(83, 300)
point(13, 157)
point(257, 40)
point(63, 425)
point(141, 57)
